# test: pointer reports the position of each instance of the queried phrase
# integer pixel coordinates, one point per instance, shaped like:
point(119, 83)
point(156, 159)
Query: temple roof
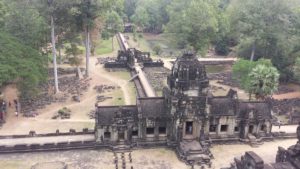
point(188, 61)
point(105, 114)
point(261, 110)
point(154, 107)
point(223, 106)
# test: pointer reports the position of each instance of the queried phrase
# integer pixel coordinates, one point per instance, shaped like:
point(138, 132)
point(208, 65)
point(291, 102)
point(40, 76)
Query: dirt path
point(98, 70)
point(79, 118)
point(291, 95)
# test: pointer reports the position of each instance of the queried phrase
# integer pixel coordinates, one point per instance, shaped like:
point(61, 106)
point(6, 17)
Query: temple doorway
point(251, 129)
point(189, 128)
point(121, 136)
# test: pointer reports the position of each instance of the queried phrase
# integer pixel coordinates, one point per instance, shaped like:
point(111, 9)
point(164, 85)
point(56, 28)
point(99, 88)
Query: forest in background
point(255, 29)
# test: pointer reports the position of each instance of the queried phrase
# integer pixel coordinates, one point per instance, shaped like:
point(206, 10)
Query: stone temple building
point(187, 117)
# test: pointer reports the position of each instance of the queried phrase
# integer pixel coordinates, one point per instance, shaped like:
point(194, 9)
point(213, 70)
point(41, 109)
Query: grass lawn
point(147, 42)
point(118, 98)
point(217, 68)
point(105, 46)
point(124, 75)
point(121, 73)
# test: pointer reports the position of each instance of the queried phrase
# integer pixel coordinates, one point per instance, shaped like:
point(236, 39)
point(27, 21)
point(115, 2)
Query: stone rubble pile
point(104, 88)
point(102, 98)
point(224, 78)
point(92, 114)
point(157, 76)
point(104, 60)
point(284, 107)
point(64, 71)
point(68, 86)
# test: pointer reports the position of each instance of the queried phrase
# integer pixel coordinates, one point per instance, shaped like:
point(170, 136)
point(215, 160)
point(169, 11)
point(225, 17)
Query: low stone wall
point(23, 148)
point(284, 135)
point(57, 133)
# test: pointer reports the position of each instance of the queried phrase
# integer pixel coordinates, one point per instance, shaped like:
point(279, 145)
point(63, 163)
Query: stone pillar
point(255, 128)
point(114, 135)
point(141, 130)
point(98, 135)
point(231, 126)
point(197, 127)
point(246, 130)
point(126, 136)
point(156, 133)
point(206, 126)
point(218, 129)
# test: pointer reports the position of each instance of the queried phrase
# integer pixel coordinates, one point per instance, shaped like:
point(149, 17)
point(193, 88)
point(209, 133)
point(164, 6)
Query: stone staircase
point(123, 160)
point(122, 146)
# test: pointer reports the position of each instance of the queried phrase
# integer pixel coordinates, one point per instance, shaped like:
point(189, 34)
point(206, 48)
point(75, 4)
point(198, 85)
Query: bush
point(296, 69)
point(157, 49)
point(222, 47)
point(21, 64)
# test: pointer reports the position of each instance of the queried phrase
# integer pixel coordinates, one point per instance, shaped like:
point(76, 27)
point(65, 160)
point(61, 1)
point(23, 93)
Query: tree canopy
point(263, 80)
point(258, 77)
point(21, 64)
point(266, 29)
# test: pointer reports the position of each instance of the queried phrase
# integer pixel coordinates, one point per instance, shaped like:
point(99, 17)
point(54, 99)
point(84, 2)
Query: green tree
point(297, 69)
point(24, 21)
point(151, 15)
point(3, 12)
point(263, 81)
point(141, 18)
point(265, 24)
point(129, 8)
point(75, 59)
point(21, 64)
point(246, 72)
point(157, 49)
point(86, 13)
point(195, 30)
point(114, 24)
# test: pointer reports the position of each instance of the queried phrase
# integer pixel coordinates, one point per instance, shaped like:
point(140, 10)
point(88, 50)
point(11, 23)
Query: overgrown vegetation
point(28, 28)
point(256, 29)
point(21, 64)
point(257, 77)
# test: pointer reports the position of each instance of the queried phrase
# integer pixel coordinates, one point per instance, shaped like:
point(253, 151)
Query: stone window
point(212, 128)
point(150, 130)
point(224, 128)
point(236, 129)
point(107, 135)
point(135, 133)
point(162, 130)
